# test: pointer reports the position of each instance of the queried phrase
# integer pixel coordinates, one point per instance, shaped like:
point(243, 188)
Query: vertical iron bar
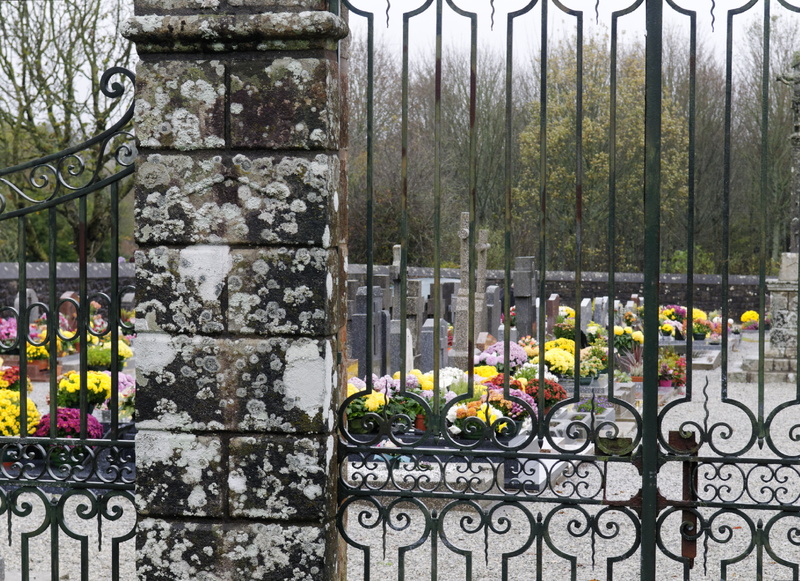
point(84, 300)
point(370, 199)
point(23, 325)
point(763, 186)
point(53, 317)
point(652, 217)
point(114, 309)
point(542, 318)
point(404, 212)
point(437, 221)
point(473, 199)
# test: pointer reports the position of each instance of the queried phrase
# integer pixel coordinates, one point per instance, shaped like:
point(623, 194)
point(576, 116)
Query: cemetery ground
point(463, 528)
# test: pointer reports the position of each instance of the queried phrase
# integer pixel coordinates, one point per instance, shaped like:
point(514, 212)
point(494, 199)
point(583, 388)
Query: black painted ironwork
point(71, 498)
point(421, 498)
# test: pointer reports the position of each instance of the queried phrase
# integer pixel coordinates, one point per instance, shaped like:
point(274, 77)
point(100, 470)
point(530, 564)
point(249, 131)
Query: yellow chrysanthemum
point(487, 371)
point(374, 401)
point(638, 336)
point(666, 327)
point(9, 414)
point(698, 314)
point(749, 317)
point(628, 330)
point(352, 389)
point(618, 330)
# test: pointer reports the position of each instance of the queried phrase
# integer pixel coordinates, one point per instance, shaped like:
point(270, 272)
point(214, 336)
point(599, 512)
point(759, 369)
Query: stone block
point(281, 4)
point(291, 103)
point(788, 270)
point(180, 104)
point(237, 199)
point(283, 290)
point(275, 552)
point(196, 485)
point(161, 6)
point(180, 551)
point(281, 478)
point(780, 365)
point(244, 385)
point(181, 291)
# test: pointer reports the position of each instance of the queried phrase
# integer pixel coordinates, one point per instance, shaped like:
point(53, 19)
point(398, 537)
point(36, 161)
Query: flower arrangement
point(747, 317)
point(632, 361)
point(530, 345)
point(591, 367)
point(553, 392)
point(630, 318)
point(566, 312)
point(10, 412)
point(701, 326)
point(593, 405)
point(674, 313)
point(68, 425)
point(458, 416)
point(513, 409)
point(126, 386)
point(98, 389)
point(8, 329)
point(494, 355)
point(565, 329)
point(9, 379)
point(598, 352)
point(99, 356)
point(36, 352)
point(566, 344)
point(665, 372)
point(558, 360)
point(625, 338)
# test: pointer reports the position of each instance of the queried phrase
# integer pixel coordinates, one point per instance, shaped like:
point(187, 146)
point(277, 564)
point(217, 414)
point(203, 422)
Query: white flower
point(455, 430)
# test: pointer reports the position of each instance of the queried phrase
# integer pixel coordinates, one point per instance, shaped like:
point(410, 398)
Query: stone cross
point(793, 80)
point(463, 234)
point(524, 293)
point(482, 249)
point(553, 303)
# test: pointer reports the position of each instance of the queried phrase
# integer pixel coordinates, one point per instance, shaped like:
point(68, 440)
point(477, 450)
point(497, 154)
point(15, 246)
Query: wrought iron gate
point(706, 485)
point(66, 485)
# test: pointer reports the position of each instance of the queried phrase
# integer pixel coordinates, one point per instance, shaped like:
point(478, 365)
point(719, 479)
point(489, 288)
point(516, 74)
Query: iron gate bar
point(654, 509)
point(105, 473)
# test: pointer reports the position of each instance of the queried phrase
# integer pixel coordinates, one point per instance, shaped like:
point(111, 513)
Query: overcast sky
point(527, 31)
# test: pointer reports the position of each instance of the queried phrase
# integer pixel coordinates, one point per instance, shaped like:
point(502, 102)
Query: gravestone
point(449, 292)
point(586, 313)
point(415, 310)
point(600, 315)
point(482, 249)
point(493, 309)
point(395, 347)
point(524, 278)
point(385, 282)
point(462, 351)
point(553, 303)
point(30, 298)
point(357, 336)
point(428, 345)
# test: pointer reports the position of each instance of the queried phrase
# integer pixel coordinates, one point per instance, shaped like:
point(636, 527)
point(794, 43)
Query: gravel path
point(463, 529)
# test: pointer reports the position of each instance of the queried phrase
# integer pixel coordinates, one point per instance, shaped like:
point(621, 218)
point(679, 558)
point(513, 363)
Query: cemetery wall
point(67, 279)
point(742, 290)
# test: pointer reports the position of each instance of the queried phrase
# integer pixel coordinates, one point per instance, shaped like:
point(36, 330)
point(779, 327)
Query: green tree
point(561, 179)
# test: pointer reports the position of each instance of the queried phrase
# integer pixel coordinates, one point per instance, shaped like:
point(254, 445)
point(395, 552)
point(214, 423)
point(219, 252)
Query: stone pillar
point(239, 279)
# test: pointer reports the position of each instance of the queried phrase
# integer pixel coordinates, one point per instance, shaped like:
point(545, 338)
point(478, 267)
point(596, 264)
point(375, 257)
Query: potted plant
point(553, 392)
point(98, 389)
point(9, 379)
point(665, 373)
point(373, 402)
point(68, 425)
point(9, 414)
point(633, 362)
point(700, 328)
point(99, 356)
point(494, 355)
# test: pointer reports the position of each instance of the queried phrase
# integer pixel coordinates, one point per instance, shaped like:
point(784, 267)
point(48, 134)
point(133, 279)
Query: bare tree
point(52, 56)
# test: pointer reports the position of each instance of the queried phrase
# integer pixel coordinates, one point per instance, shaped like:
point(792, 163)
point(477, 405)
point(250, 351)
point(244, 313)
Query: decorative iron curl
point(54, 170)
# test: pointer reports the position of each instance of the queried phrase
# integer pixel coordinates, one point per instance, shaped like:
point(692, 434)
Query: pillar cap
point(240, 32)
